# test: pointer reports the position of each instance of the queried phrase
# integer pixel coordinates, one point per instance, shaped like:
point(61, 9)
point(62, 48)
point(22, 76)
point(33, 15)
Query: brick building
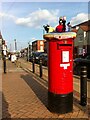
point(38, 46)
point(45, 46)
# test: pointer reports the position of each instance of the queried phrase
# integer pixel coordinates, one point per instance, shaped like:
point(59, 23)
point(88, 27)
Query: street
point(24, 95)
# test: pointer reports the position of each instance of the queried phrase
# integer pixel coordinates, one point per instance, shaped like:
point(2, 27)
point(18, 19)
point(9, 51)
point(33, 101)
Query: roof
point(86, 23)
point(37, 41)
point(74, 30)
point(85, 28)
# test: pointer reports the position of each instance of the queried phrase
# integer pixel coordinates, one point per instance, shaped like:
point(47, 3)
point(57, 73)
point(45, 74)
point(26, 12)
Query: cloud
point(38, 18)
point(81, 17)
point(33, 38)
point(35, 19)
point(4, 15)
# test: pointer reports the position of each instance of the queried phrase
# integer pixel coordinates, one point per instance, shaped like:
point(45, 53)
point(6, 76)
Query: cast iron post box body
point(60, 71)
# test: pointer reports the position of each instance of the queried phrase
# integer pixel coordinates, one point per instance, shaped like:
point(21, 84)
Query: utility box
point(60, 71)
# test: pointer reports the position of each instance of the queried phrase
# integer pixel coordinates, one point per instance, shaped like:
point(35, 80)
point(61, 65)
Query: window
point(41, 42)
point(41, 47)
point(84, 34)
point(80, 51)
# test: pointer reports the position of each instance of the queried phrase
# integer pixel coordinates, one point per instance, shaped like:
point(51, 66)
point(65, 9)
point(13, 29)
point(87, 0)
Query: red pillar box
point(60, 71)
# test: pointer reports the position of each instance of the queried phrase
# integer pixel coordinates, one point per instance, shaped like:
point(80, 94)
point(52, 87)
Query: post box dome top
point(59, 36)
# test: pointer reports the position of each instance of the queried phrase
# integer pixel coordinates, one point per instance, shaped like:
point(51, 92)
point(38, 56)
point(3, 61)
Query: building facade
point(1, 39)
point(82, 40)
point(45, 46)
point(38, 46)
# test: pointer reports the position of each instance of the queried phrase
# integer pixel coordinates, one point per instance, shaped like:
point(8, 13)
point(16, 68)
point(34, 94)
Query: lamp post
point(4, 52)
point(10, 47)
point(28, 50)
point(15, 45)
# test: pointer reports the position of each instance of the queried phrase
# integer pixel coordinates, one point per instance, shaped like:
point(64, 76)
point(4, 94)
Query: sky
point(24, 21)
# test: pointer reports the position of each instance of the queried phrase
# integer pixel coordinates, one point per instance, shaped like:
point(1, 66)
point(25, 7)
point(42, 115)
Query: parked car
point(44, 59)
point(30, 58)
point(78, 62)
point(36, 56)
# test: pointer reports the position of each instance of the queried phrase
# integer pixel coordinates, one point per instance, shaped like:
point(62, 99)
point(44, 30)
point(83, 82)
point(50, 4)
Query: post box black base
point(59, 103)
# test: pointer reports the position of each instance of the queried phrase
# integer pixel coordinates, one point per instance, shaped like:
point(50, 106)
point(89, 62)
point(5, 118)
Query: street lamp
point(15, 45)
point(28, 50)
point(4, 53)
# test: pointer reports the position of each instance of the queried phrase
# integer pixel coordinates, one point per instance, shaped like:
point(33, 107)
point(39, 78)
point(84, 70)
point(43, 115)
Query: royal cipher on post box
point(60, 71)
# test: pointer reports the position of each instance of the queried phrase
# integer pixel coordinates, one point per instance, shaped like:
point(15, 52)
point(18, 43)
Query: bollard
point(33, 65)
point(4, 64)
point(40, 67)
point(83, 84)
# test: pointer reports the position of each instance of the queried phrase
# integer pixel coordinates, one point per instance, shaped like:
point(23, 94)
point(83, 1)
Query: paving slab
point(24, 96)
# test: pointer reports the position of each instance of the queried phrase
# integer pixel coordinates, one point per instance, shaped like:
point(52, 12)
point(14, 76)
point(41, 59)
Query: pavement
point(76, 79)
point(24, 96)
